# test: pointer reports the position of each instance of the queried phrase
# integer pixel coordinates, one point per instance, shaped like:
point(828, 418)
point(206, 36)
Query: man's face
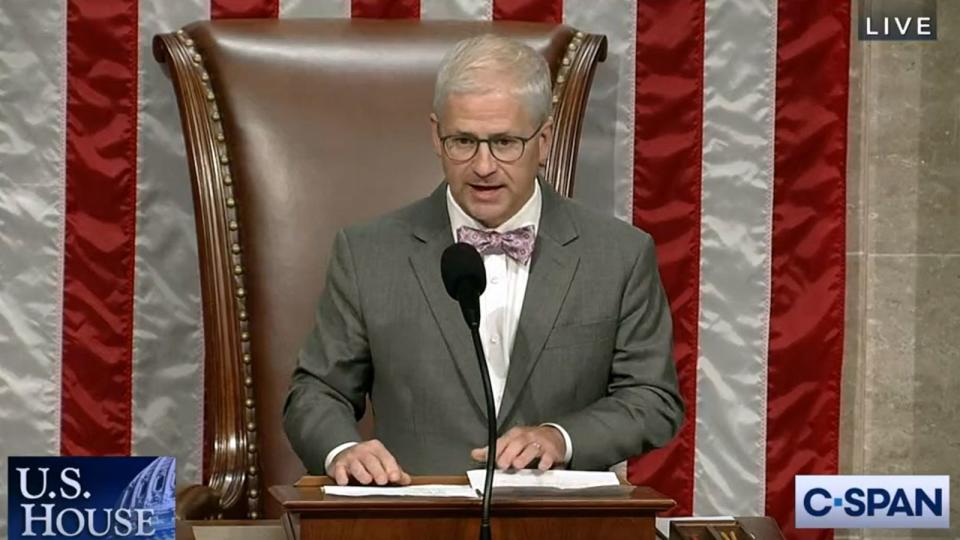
point(490, 190)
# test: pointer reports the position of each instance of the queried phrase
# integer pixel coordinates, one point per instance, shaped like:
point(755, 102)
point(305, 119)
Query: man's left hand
point(521, 445)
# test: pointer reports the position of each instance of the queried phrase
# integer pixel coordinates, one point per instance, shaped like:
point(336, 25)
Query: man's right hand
point(367, 462)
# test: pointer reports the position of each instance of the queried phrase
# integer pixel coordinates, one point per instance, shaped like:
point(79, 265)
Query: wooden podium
point(611, 513)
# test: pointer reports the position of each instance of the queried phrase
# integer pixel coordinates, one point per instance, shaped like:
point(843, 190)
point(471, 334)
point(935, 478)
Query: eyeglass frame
point(488, 140)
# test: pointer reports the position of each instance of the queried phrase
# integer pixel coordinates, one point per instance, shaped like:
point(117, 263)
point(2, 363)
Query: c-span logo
point(869, 502)
point(91, 498)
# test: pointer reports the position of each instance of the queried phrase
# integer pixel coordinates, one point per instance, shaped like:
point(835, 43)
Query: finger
point(405, 479)
point(390, 465)
point(546, 461)
point(340, 474)
point(510, 452)
point(555, 437)
point(508, 438)
point(531, 452)
point(373, 465)
point(358, 471)
point(478, 454)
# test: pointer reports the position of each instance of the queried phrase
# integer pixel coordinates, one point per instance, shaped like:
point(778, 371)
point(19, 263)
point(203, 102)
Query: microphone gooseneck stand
point(465, 279)
point(491, 433)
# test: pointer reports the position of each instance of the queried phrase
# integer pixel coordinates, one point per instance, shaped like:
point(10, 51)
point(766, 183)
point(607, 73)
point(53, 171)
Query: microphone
point(465, 278)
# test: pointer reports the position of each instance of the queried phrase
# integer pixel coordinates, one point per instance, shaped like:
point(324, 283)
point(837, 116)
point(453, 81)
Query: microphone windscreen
point(462, 265)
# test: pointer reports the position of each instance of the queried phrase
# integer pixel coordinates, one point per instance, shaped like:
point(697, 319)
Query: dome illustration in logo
point(154, 489)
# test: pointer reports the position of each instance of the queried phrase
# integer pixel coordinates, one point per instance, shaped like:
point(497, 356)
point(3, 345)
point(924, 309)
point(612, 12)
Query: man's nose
point(484, 163)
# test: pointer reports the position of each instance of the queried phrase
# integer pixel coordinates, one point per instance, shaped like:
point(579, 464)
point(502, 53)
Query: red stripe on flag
point(528, 10)
point(666, 203)
point(101, 197)
point(244, 9)
point(385, 9)
point(806, 313)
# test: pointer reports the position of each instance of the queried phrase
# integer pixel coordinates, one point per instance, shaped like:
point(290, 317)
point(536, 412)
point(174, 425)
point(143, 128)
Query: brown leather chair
point(293, 129)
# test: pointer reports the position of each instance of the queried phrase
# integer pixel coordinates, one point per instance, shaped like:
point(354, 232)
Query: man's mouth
point(484, 188)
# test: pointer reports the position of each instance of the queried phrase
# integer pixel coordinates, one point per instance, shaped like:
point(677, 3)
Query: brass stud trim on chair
point(566, 62)
point(235, 251)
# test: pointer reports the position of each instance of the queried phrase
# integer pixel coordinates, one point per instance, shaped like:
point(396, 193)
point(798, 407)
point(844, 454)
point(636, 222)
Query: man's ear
point(545, 140)
point(435, 134)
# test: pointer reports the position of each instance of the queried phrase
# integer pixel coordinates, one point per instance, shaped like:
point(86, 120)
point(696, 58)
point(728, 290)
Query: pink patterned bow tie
point(516, 244)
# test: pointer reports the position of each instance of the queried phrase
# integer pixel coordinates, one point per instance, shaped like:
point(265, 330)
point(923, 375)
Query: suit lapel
point(552, 269)
point(432, 229)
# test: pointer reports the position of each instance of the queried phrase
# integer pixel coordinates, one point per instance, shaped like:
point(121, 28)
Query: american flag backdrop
point(719, 126)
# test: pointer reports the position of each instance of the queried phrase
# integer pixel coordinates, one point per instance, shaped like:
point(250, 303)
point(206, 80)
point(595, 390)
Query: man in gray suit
point(574, 322)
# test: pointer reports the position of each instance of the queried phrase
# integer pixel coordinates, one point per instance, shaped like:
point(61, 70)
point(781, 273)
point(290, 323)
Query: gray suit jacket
point(592, 351)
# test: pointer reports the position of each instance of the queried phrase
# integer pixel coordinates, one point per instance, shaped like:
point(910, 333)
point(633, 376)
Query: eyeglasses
point(504, 148)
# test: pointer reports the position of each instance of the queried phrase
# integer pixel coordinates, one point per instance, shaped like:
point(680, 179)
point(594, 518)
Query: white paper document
point(550, 479)
point(426, 490)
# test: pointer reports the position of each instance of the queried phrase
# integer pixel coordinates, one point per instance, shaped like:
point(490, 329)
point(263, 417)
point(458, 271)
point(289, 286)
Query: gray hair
point(464, 67)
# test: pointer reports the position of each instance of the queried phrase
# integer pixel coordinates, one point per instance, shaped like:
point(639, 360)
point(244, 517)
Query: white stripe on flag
point(167, 329)
point(291, 9)
point(605, 168)
point(737, 197)
point(468, 10)
point(32, 108)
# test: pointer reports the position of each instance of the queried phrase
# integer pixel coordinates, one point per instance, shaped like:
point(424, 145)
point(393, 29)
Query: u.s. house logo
point(91, 498)
point(864, 502)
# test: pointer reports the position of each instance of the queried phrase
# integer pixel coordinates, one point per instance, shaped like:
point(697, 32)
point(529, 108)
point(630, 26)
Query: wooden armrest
point(197, 502)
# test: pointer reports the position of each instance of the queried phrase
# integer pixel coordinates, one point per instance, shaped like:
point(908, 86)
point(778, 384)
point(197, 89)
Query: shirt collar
point(529, 214)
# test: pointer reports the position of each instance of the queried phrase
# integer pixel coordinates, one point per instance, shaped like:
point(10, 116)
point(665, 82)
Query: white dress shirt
point(500, 303)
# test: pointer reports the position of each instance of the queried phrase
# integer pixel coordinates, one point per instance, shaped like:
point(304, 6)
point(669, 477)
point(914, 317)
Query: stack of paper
point(550, 479)
point(513, 479)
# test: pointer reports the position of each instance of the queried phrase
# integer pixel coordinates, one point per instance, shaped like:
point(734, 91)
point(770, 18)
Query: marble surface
point(900, 412)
